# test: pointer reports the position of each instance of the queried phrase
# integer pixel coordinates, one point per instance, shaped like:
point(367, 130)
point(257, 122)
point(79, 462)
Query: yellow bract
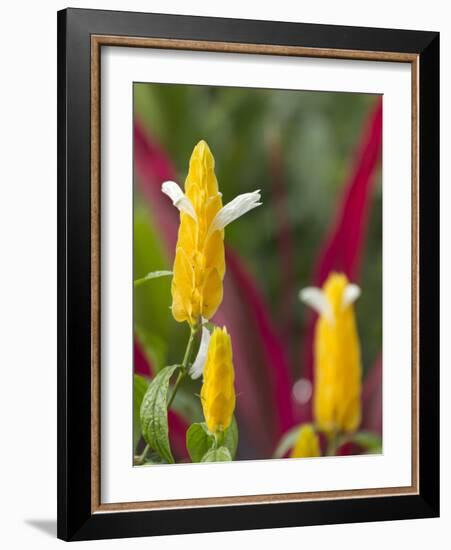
point(218, 392)
point(337, 404)
point(307, 443)
point(199, 264)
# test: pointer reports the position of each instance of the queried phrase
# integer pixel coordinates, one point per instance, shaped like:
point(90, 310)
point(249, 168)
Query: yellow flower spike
point(337, 388)
point(218, 392)
point(199, 260)
point(199, 264)
point(307, 443)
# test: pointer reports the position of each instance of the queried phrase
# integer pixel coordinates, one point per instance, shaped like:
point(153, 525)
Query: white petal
point(317, 300)
point(234, 209)
point(350, 295)
point(179, 199)
point(197, 368)
point(172, 190)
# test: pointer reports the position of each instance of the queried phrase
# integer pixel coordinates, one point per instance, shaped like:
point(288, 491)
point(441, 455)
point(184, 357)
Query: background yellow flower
point(336, 404)
point(307, 443)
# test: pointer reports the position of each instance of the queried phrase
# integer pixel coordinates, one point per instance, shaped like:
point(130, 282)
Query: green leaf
point(150, 276)
point(154, 414)
point(230, 439)
point(217, 455)
point(287, 442)
point(153, 458)
point(370, 441)
point(187, 404)
point(198, 441)
point(140, 385)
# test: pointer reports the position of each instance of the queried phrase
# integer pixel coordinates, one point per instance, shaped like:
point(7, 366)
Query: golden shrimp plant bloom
point(218, 391)
point(307, 443)
point(337, 389)
point(199, 265)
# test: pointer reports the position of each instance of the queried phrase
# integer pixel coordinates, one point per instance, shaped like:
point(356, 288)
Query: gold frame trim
point(97, 41)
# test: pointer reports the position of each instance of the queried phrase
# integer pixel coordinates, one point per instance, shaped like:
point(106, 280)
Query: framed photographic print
point(248, 274)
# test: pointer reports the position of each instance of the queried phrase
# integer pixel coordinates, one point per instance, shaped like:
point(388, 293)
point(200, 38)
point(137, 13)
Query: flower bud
point(218, 392)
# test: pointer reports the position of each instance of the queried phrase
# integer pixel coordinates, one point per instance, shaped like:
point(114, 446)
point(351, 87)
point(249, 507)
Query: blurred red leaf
point(177, 435)
point(140, 363)
point(348, 449)
point(264, 404)
point(343, 246)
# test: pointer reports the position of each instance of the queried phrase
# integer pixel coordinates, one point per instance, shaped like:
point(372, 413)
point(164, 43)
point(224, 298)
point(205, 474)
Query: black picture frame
point(76, 520)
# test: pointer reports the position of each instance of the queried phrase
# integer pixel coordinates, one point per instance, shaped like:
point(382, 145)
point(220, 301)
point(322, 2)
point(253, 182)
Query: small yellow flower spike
point(199, 260)
point(307, 443)
point(218, 392)
point(338, 373)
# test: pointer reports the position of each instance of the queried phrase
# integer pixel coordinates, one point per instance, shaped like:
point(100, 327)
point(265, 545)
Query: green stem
point(189, 348)
point(184, 367)
point(219, 439)
point(180, 377)
point(140, 459)
point(332, 444)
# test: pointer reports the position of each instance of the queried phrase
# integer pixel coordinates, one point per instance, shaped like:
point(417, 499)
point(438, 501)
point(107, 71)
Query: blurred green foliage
point(317, 134)
point(150, 301)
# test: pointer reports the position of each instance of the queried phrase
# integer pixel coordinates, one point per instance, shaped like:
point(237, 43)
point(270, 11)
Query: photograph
point(248, 274)
point(257, 274)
